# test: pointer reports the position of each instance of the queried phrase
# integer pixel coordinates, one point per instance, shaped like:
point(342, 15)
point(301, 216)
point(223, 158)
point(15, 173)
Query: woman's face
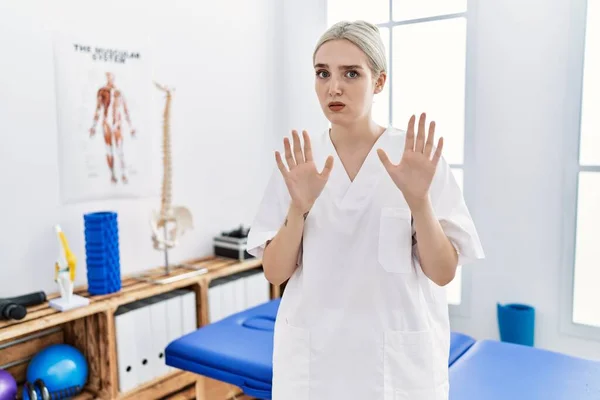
point(344, 83)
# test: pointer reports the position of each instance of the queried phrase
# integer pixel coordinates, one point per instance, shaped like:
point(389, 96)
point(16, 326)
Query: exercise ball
point(60, 366)
point(8, 386)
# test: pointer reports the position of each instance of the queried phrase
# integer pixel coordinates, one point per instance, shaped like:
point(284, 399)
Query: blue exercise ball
point(60, 366)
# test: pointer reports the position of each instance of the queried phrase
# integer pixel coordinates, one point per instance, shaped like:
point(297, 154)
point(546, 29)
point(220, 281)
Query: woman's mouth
point(336, 106)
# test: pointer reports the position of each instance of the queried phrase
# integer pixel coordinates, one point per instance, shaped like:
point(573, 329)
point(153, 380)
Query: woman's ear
point(380, 82)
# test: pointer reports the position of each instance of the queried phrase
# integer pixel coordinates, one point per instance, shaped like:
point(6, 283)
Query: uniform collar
point(357, 193)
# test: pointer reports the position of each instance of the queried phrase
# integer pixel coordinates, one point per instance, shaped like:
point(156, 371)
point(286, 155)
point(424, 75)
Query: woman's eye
point(322, 74)
point(352, 74)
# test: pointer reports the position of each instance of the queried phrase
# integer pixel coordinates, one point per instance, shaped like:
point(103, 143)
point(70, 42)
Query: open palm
point(415, 172)
point(303, 181)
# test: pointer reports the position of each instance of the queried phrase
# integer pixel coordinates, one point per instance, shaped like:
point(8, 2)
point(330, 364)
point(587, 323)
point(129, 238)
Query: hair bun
point(369, 25)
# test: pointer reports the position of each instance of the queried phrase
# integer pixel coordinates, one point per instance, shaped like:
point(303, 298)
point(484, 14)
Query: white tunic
point(358, 318)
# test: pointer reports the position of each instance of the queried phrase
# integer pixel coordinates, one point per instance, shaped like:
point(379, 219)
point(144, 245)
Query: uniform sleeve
point(270, 215)
point(452, 212)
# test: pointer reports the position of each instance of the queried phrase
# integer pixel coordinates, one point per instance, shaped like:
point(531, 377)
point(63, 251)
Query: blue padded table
point(459, 344)
point(239, 350)
point(494, 370)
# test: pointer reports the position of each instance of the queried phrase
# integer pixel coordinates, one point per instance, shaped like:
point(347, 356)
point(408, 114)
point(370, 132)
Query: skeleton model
point(169, 224)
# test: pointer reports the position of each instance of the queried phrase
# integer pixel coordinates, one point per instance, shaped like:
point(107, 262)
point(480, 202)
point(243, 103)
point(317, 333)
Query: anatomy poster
point(105, 132)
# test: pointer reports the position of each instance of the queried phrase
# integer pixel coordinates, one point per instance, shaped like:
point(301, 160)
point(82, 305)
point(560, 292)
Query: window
point(434, 33)
point(585, 257)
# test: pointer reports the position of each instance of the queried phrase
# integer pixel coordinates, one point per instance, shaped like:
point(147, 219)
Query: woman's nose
point(334, 88)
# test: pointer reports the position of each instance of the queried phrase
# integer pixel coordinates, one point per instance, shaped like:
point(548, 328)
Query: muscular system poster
point(103, 103)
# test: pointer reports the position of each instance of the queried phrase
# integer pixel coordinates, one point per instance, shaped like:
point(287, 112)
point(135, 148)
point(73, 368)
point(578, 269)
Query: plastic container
point(102, 252)
point(516, 323)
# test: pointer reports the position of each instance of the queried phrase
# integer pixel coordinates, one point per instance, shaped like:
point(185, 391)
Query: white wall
point(304, 22)
point(221, 56)
point(515, 184)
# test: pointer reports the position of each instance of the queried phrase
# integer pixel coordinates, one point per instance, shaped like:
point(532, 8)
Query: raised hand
point(302, 179)
point(414, 174)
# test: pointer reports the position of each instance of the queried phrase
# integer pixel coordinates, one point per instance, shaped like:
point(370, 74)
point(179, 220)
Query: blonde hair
point(362, 34)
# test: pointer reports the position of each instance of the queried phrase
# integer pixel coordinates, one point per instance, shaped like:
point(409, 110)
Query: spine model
point(167, 165)
point(170, 222)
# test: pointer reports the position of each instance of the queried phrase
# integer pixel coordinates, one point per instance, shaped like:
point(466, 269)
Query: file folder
point(228, 297)
point(214, 301)
point(126, 349)
point(189, 316)
point(173, 319)
point(257, 289)
point(240, 294)
point(158, 334)
point(140, 315)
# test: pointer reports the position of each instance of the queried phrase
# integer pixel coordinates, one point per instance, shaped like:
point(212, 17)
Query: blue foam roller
point(102, 252)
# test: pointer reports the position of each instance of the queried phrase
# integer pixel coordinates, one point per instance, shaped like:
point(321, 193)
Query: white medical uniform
point(358, 318)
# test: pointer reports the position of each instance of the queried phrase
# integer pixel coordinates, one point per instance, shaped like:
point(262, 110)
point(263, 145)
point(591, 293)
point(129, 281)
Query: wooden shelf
point(161, 387)
point(91, 329)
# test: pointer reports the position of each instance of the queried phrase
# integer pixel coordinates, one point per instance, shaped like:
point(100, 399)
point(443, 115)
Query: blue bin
point(102, 252)
point(516, 323)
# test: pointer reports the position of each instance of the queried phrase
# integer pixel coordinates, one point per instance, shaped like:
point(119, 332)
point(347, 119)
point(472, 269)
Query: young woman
point(367, 225)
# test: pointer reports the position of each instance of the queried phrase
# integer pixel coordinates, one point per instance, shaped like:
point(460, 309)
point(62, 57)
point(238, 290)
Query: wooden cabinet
point(91, 329)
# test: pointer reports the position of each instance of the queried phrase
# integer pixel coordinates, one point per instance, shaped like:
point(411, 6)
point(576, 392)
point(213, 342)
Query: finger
point(429, 144)
point(409, 144)
point(297, 148)
point(438, 152)
point(307, 147)
point(385, 160)
point(421, 134)
point(280, 164)
point(288, 153)
point(327, 168)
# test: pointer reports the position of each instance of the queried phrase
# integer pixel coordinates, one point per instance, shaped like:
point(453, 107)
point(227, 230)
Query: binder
point(189, 316)
point(173, 318)
point(231, 294)
point(240, 294)
point(158, 334)
point(126, 349)
point(258, 289)
point(140, 316)
point(214, 301)
point(227, 297)
point(263, 288)
point(145, 328)
point(249, 281)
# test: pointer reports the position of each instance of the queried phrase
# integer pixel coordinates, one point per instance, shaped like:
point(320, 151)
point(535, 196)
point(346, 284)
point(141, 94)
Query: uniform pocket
point(395, 240)
point(291, 362)
point(408, 366)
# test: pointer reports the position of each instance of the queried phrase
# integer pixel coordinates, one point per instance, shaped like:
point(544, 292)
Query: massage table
point(238, 350)
point(493, 370)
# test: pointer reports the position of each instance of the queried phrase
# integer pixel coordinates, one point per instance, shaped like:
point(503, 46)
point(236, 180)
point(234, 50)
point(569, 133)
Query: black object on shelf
point(232, 244)
point(16, 307)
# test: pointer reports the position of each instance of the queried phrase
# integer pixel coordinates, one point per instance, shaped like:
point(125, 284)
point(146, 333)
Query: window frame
point(463, 309)
point(572, 169)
